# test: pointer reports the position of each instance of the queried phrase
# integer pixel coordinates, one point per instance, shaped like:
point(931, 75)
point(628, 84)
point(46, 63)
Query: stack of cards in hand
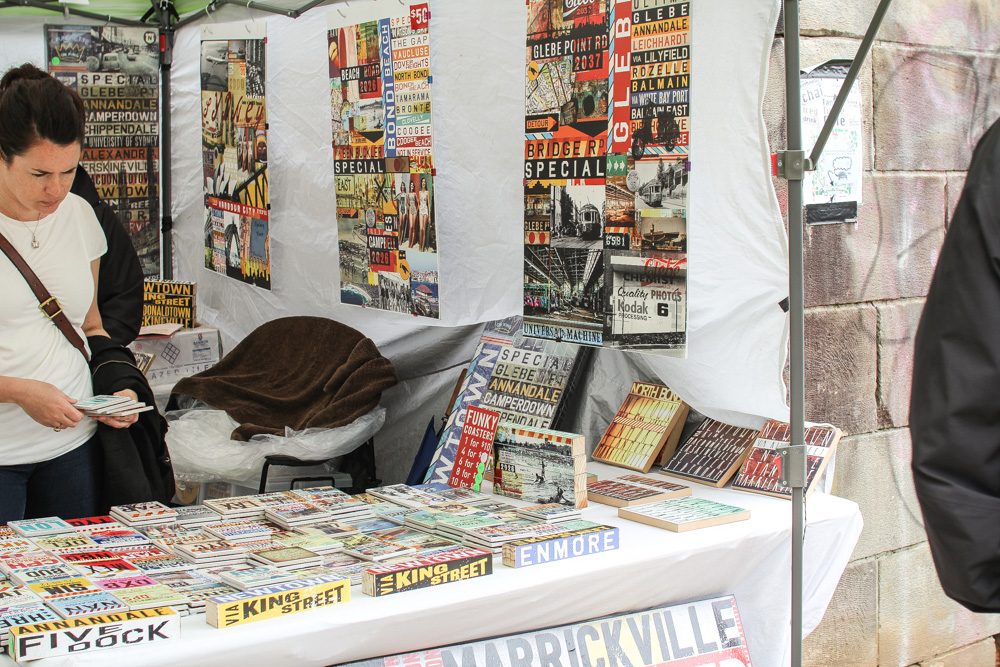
point(110, 406)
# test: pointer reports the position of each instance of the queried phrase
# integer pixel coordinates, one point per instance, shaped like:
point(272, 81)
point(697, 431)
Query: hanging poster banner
point(606, 173)
point(234, 152)
point(380, 95)
point(116, 70)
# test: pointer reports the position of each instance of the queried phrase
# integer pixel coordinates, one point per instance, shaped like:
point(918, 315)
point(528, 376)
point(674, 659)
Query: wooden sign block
point(552, 548)
point(128, 628)
point(224, 611)
point(443, 568)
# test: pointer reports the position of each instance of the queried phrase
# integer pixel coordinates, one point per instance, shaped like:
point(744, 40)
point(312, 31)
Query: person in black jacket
point(120, 281)
point(955, 400)
point(136, 464)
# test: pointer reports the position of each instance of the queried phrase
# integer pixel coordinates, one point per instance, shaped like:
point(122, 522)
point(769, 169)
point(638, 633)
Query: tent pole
point(792, 165)
point(793, 119)
point(166, 208)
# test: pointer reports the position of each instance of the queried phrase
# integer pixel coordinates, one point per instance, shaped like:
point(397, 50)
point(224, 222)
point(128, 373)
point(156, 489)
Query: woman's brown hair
point(34, 106)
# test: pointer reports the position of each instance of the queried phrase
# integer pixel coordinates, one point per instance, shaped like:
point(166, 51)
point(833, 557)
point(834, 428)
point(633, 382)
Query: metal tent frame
point(792, 164)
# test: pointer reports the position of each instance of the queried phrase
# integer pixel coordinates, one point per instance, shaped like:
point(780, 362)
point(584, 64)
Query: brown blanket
point(300, 372)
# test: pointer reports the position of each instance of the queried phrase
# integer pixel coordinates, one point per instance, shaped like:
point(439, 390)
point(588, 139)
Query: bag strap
point(46, 302)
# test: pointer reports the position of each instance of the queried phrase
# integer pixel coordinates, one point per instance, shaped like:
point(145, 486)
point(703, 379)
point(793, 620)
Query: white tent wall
point(738, 261)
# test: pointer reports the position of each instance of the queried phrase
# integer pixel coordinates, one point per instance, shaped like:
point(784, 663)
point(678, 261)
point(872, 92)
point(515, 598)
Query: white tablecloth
point(749, 559)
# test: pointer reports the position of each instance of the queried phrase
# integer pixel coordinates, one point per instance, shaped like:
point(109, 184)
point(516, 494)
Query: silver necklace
point(34, 233)
point(34, 239)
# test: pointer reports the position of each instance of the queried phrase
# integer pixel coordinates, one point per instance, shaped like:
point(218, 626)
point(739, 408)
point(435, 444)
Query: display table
point(749, 559)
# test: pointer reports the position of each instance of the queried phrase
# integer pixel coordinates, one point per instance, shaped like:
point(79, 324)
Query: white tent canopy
point(737, 256)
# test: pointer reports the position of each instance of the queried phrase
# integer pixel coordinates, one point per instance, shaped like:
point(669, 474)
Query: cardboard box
point(187, 352)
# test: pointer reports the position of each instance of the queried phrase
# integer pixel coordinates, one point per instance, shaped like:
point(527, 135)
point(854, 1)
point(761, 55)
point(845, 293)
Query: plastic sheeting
point(201, 449)
point(737, 254)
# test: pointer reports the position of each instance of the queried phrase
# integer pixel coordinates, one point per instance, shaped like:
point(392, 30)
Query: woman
point(425, 211)
point(411, 209)
point(401, 227)
point(49, 453)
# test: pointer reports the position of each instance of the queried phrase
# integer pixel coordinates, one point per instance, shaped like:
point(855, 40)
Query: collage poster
point(380, 97)
point(116, 70)
point(606, 173)
point(234, 152)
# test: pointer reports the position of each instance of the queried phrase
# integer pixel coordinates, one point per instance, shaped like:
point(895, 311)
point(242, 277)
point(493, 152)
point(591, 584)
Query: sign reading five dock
point(257, 604)
point(45, 640)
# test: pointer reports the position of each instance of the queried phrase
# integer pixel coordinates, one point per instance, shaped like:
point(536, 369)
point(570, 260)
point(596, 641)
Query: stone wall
point(930, 90)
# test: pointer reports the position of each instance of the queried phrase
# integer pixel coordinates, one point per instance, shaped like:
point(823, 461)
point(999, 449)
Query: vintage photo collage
point(380, 95)
point(606, 173)
point(116, 70)
point(234, 152)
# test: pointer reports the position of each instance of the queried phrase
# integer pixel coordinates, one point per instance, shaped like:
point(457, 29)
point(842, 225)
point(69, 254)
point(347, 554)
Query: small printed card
point(241, 506)
point(48, 590)
point(47, 526)
point(121, 583)
point(286, 556)
point(194, 515)
point(549, 512)
point(681, 514)
point(65, 542)
point(17, 545)
point(255, 577)
point(28, 559)
point(103, 569)
point(36, 574)
point(141, 512)
point(238, 531)
point(372, 549)
point(86, 604)
point(13, 596)
point(148, 597)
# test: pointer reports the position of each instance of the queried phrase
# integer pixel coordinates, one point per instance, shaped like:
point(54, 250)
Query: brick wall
point(930, 90)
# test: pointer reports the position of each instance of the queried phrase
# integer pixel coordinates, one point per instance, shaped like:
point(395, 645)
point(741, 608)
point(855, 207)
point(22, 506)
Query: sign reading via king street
point(45, 640)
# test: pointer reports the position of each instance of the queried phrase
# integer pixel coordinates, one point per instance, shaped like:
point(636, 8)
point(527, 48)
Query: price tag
point(420, 16)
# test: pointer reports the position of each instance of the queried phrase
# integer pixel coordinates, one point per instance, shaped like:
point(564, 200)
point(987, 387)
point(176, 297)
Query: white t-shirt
point(33, 347)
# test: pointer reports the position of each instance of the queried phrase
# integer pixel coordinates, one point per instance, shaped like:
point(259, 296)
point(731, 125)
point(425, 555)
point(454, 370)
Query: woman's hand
point(46, 404)
point(121, 422)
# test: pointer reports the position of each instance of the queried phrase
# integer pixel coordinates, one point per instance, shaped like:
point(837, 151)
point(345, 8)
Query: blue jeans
point(67, 486)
